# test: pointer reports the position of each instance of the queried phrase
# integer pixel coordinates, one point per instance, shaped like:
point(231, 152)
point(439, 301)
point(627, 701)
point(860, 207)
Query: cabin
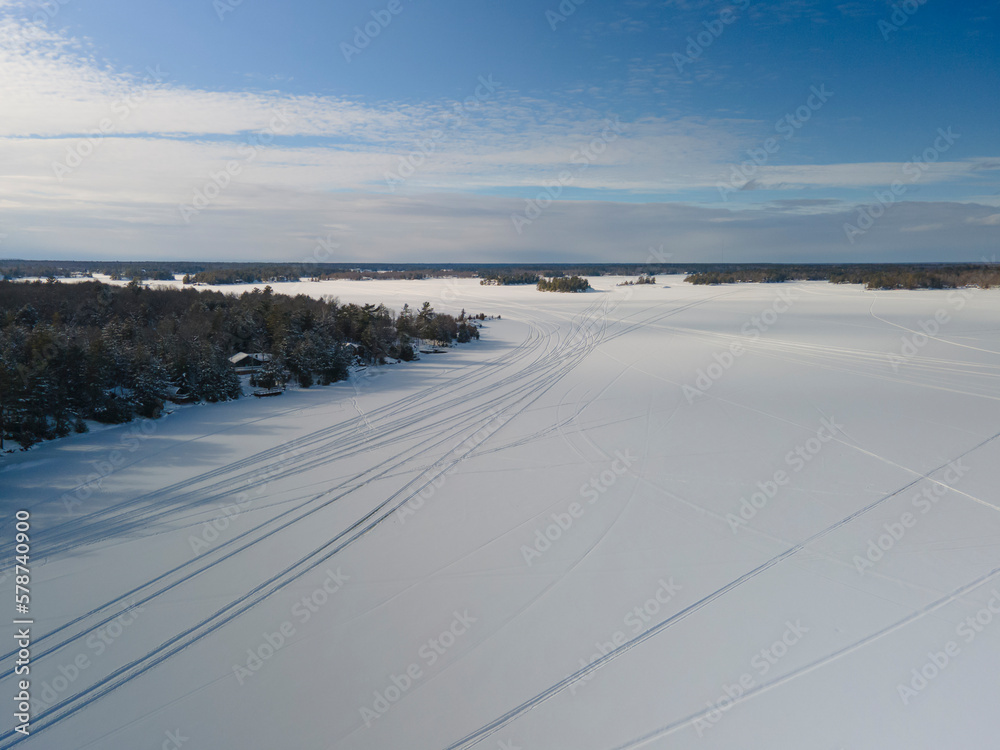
point(248, 364)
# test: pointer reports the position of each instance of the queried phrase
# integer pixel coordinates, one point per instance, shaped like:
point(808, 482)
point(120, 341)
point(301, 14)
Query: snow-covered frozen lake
point(753, 516)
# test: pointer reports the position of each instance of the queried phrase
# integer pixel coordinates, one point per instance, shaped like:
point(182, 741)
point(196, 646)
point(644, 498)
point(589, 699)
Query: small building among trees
point(248, 364)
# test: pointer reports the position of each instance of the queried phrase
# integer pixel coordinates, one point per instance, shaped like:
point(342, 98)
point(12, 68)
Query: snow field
point(591, 529)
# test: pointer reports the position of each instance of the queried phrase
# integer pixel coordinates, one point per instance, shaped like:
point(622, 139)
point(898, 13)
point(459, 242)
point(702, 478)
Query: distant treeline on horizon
point(872, 275)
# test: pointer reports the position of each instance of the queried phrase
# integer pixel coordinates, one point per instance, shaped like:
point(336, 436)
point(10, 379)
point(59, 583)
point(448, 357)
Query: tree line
point(512, 278)
point(643, 279)
point(752, 275)
point(564, 284)
point(264, 273)
point(873, 276)
point(76, 351)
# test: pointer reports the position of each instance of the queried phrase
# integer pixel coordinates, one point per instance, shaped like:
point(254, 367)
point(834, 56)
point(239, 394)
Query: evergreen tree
point(72, 352)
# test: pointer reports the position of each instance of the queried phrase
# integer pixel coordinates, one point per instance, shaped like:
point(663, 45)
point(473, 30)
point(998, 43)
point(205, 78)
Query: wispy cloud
point(279, 224)
point(328, 163)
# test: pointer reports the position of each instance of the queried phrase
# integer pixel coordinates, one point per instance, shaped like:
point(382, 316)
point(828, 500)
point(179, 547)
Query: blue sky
point(771, 131)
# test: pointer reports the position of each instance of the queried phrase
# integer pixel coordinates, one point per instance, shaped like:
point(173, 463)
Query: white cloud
point(869, 174)
point(993, 220)
point(164, 142)
point(283, 224)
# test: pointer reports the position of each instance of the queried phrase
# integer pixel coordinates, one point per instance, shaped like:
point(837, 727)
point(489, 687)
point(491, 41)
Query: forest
point(643, 279)
point(261, 273)
point(508, 278)
point(873, 276)
point(564, 284)
point(70, 352)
